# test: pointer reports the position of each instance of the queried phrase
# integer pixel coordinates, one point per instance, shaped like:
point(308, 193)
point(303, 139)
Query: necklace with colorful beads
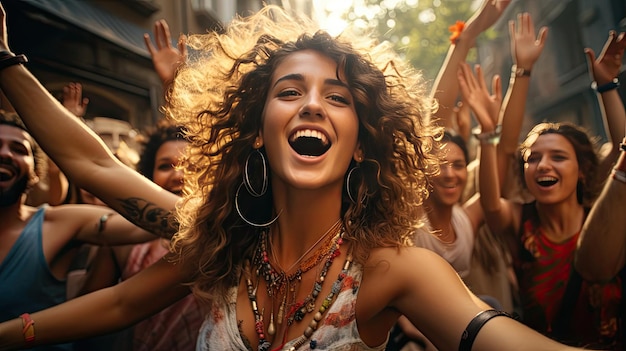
point(277, 283)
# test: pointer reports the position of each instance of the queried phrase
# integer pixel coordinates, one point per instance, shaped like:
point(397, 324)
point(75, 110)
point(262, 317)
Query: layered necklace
point(282, 284)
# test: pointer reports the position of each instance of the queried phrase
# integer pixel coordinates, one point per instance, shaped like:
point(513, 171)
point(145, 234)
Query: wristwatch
point(519, 71)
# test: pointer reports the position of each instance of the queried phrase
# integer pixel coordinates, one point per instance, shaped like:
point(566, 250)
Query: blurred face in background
point(449, 184)
point(165, 174)
point(17, 164)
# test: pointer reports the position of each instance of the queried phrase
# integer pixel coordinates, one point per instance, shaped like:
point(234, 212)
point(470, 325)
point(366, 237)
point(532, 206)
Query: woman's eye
point(165, 167)
point(286, 93)
point(532, 159)
point(459, 166)
point(340, 98)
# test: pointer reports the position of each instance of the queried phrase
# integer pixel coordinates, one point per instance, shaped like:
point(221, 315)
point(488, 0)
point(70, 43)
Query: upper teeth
point(309, 133)
point(546, 179)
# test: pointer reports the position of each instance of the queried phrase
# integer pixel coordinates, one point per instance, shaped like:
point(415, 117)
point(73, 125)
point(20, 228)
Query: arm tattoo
point(149, 216)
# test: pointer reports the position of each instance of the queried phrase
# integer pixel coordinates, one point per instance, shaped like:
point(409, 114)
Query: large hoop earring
point(348, 187)
point(246, 174)
point(258, 225)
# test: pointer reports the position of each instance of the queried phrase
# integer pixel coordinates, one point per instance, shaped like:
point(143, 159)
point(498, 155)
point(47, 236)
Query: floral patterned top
point(337, 331)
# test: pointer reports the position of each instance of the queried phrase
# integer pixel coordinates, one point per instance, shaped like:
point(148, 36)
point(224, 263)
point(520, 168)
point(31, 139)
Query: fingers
point(466, 77)
point(591, 57)
point(541, 37)
point(480, 78)
point(162, 33)
point(512, 29)
point(496, 86)
point(463, 84)
point(149, 46)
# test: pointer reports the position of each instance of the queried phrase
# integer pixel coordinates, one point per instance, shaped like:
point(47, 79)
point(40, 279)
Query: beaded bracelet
point(28, 328)
point(614, 84)
point(9, 59)
point(492, 137)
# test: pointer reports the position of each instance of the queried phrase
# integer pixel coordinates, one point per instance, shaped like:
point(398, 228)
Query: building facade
point(560, 86)
point(100, 44)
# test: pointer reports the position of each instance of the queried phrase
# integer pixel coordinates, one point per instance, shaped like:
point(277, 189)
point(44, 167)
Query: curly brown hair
point(219, 97)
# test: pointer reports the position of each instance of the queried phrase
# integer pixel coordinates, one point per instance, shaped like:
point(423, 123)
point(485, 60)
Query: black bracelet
point(614, 84)
point(474, 326)
point(622, 146)
point(9, 59)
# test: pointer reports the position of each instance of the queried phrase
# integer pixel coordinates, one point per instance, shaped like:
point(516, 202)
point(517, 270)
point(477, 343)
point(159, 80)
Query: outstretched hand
point(166, 58)
point(73, 99)
point(474, 90)
point(525, 46)
point(607, 65)
point(486, 16)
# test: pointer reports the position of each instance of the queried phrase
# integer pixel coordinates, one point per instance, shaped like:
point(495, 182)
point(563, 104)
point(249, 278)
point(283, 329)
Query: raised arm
point(601, 251)
point(605, 70)
point(103, 311)
point(446, 86)
point(79, 152)
point(525, 50)
point(486, 108)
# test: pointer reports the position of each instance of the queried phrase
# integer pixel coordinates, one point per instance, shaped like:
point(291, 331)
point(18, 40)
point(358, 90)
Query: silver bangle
point(492, 137)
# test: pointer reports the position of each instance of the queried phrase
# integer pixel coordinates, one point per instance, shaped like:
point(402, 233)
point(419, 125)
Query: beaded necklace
point(276, 282)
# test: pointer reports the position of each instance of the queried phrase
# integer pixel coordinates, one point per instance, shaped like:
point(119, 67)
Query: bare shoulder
point(400, 259)
point(397, 280)
point(392, 271)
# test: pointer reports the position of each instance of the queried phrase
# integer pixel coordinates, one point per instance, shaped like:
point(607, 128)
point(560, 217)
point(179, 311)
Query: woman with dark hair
point(331, 136)
point(559, 166)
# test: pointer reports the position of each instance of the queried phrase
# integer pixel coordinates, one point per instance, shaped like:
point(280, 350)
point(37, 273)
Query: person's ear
point(33, 180)
point(358, 154)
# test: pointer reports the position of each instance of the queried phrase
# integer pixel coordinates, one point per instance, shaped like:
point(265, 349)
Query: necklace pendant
point(271, 329)
point(281, 310)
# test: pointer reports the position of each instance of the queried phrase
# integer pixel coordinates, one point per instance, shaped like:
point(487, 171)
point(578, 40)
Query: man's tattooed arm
point(149, 216)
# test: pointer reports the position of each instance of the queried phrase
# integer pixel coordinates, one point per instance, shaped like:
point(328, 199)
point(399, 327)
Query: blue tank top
point(27, 285)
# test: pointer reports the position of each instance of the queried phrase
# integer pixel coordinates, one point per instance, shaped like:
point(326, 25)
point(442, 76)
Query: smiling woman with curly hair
point(304, 182)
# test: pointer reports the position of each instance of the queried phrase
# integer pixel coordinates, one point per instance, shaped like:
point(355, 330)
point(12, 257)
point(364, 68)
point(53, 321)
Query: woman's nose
point(544, 163)
point(312, 106)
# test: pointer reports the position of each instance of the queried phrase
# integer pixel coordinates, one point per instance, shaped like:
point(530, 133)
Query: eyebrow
point(300, 77)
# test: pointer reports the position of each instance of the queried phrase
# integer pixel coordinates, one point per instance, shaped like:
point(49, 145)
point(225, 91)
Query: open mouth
point(5, 174)
point(308, 142)
point(546, 181)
